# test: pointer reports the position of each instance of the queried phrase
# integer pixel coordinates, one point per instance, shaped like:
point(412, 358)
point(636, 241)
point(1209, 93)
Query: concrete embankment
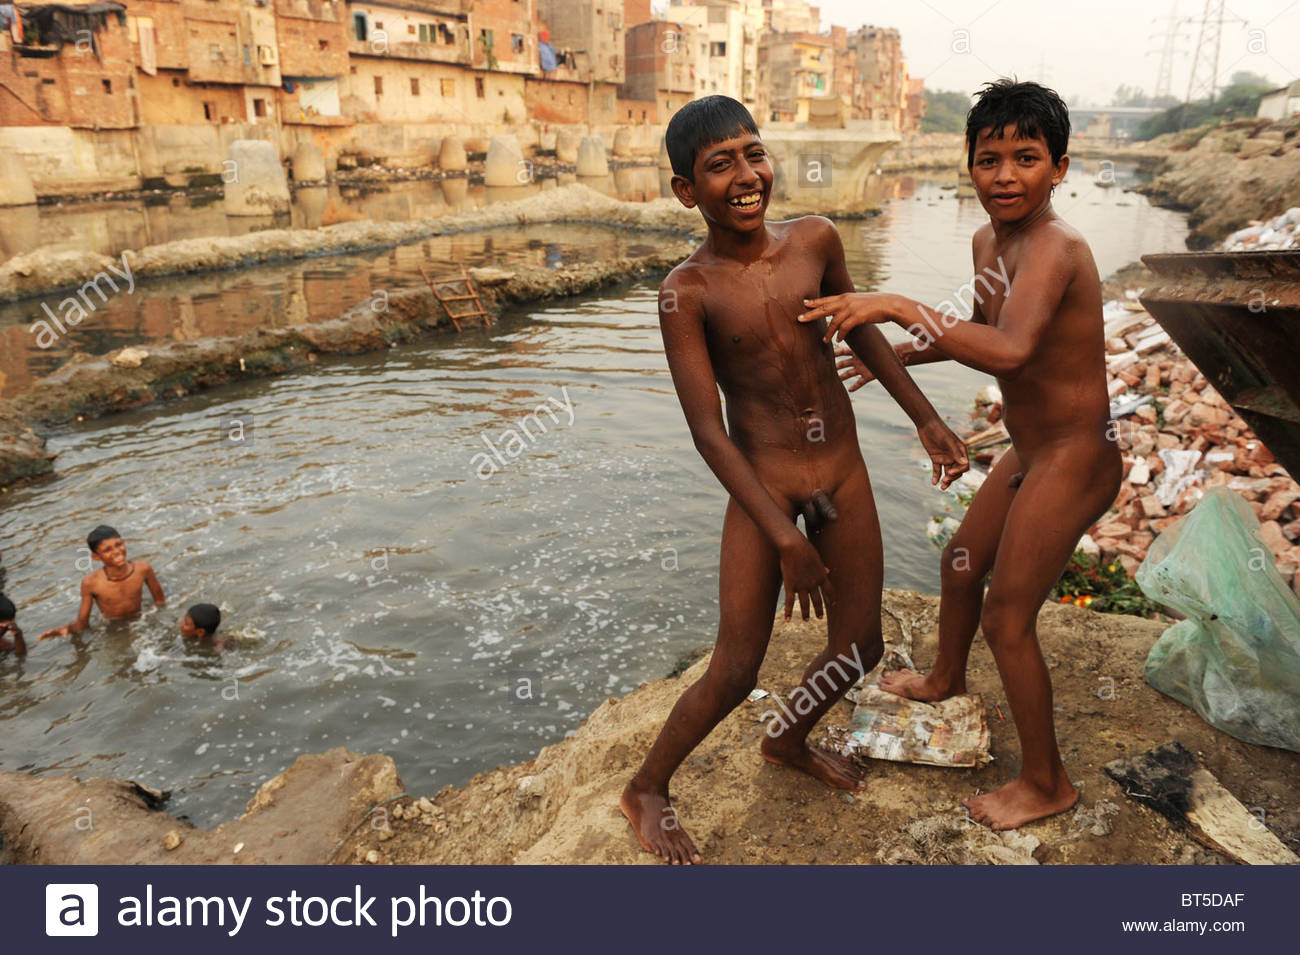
point(562, 806)
point(86, 386)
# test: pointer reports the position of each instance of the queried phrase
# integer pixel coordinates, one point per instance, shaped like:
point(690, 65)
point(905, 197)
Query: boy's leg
point(850, 549)
point(749, 579)
point(1057, 502)
point(965, 563)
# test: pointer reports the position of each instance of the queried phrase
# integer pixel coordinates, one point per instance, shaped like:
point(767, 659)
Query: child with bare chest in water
point(789, 447)
point(1041, 336)
point(117, 588)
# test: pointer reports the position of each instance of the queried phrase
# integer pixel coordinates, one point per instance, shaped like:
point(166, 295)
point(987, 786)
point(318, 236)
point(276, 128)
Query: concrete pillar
point(566, 146)
point(15, 181)
point(308, 163)
point(451, 155)
point(591, 157)
point(258, 186)
point(505, 163)
point(623, 143)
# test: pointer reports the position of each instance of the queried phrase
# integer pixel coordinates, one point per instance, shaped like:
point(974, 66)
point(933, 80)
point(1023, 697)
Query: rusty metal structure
point(1236, 315)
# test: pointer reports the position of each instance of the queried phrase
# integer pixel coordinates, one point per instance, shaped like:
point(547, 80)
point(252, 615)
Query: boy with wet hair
point(200, 623)
point(117, 588)
point(788, 446)
point(1041, 337)
point(11, 635)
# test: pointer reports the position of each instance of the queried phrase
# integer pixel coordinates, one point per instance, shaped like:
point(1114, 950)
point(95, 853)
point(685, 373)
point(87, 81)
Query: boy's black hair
point(206, 617)
point(7, 609)
point(703, 122)
point(1035, 110)
point(100, 534)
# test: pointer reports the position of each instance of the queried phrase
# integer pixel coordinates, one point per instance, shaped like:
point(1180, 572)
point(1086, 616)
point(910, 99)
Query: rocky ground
point(1228, 175)
point(1178, 435)
point(562, 806)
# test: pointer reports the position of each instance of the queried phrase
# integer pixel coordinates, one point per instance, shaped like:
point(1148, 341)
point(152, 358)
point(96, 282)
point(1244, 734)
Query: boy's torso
point(787, 409)
point(118, 598)
point(1060, 397)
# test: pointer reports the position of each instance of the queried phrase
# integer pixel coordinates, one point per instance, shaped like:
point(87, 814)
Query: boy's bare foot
point(831, 768)
point(655, 822)
point(1019, 802)
point(916, 686)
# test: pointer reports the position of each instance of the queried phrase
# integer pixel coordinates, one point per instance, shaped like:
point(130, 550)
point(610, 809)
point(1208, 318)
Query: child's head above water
point(7, 610)
point(1035, 111)
point(99, 536)
point(201, 620)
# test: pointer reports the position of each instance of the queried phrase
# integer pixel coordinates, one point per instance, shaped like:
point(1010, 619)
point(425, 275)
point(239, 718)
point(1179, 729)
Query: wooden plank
point(1169, 780)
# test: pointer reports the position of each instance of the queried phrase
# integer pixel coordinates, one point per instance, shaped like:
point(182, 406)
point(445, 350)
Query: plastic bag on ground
point(1235, 660)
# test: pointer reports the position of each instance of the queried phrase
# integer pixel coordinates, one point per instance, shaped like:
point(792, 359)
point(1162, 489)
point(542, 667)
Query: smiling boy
point(1041, 336)
point(117, 588)
point(789, 446)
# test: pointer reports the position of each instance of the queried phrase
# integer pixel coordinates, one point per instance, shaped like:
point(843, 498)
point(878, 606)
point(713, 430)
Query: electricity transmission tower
point(1204, 77)
point(1168, 50)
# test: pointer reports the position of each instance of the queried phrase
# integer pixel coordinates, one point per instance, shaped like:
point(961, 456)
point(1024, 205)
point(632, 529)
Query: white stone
point(591, 157)
point(451, 155)
point(308, 163)
point(15, 181)
point(505, 163)
point(567, 142)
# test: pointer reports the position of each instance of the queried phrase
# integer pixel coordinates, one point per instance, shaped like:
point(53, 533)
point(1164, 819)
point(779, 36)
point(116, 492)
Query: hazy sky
point(1081, 49)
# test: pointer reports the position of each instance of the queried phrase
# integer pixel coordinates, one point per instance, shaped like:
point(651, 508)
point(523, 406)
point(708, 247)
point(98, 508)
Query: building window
point(209, 110)
point(259, 107)
point(424, 32)
point(108, 85)
point(379, 86)
point(448, 87)
point(445, 32)
point(248, 59)
point(323, 44)
point(643, 116)
point(359, 25)
point(415, 86)
point(718, 49)
point(214, 53)
point(485, 37)
point(478, 87)
point(517, 42)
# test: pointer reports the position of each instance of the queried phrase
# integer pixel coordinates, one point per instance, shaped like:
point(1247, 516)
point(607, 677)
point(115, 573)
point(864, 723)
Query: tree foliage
point(1240, 98)
point(945, 112)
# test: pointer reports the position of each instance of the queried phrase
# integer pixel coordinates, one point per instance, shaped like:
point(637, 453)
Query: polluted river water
point(385, 590)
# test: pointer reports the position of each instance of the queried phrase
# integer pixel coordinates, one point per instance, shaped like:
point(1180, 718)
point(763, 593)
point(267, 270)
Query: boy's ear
point(684, 190)
point(1062, 167)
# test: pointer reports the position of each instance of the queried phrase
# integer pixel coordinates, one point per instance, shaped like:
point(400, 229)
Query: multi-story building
point(312, 36)
point(728, 32)
point(662, 65)
point(793, 68)
point(791, 16)
point(882, 74)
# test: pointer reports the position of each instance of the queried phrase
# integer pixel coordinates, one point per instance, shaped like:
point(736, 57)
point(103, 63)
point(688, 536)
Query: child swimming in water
point(117, 588)
point(200, 623)
point(789, 446)
point(11, 635)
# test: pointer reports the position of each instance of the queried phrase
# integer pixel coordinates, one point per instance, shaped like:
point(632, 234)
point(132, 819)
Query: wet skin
point(1044, 342)
point(788, 446)
point(117, 588)
point(11, 638)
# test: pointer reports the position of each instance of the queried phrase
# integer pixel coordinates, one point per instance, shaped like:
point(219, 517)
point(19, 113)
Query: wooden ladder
point(467, 294)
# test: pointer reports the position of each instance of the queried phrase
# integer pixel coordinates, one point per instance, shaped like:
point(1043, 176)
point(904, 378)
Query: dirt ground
point(562, 807)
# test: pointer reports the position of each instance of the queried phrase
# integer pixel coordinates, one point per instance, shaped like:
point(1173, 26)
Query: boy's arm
point(681, 317)
point(20, 645)
point(155, 588)
point(83, 615)
point(1031, 302)
point(946, 450)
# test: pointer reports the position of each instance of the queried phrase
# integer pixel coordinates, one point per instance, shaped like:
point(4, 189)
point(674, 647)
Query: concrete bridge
point(820, 164)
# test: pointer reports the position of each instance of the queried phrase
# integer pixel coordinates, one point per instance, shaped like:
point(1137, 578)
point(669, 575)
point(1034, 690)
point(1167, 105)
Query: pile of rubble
point(1282, 232)
point(1178, 438)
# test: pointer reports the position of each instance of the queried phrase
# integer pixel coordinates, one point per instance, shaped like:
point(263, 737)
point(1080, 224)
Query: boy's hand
point(846, 312)
point(804, 576)
point(851, 367)
point(56, 632)
point(947, 452)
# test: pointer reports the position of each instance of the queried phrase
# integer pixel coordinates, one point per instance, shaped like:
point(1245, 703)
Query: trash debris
point(129, 357)
point(1235, 660)
point(756, 694)
point(1169, 780)
point(952, 732)
point(1180, 474)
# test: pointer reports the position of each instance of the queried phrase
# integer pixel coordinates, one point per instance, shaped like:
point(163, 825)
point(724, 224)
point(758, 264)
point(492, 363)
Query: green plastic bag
point(1235, 660)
